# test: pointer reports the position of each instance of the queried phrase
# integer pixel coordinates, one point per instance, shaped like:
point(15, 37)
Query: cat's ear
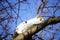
point(37, 16)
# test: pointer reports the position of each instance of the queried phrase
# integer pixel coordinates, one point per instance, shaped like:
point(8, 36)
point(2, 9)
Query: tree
point(10, 14)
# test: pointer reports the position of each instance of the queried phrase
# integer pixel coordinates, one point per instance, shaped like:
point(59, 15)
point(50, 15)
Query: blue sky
point(28, 11)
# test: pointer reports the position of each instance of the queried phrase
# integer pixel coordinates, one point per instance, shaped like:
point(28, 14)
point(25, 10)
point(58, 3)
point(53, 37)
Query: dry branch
point(27, 35)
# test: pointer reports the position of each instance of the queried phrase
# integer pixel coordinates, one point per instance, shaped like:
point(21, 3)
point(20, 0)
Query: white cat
point(27, 24)
point(22, 27)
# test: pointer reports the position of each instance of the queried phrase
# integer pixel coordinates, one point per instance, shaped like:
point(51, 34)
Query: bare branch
point(36, 28)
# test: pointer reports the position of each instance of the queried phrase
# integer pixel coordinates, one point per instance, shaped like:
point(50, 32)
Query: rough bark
point(37, 27)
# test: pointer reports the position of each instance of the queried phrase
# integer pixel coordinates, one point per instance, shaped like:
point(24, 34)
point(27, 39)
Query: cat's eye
point(40, 19)
point(25, 21)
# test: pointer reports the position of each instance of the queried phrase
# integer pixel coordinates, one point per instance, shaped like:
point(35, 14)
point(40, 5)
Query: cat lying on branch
point(24, 26)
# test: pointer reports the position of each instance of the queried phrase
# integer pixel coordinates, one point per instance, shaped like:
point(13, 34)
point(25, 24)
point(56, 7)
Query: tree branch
point(37, 27)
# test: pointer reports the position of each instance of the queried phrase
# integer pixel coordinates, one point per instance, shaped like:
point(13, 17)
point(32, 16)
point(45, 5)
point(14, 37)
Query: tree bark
point(37, 27)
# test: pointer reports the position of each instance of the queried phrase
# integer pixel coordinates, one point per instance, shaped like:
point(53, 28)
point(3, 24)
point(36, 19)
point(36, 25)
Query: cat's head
point(39, 19)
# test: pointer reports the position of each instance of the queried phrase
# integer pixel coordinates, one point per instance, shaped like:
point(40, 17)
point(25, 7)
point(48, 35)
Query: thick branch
point(37, 27)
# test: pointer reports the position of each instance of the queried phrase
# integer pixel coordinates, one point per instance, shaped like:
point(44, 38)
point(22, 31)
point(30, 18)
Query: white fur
point(24, 26)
